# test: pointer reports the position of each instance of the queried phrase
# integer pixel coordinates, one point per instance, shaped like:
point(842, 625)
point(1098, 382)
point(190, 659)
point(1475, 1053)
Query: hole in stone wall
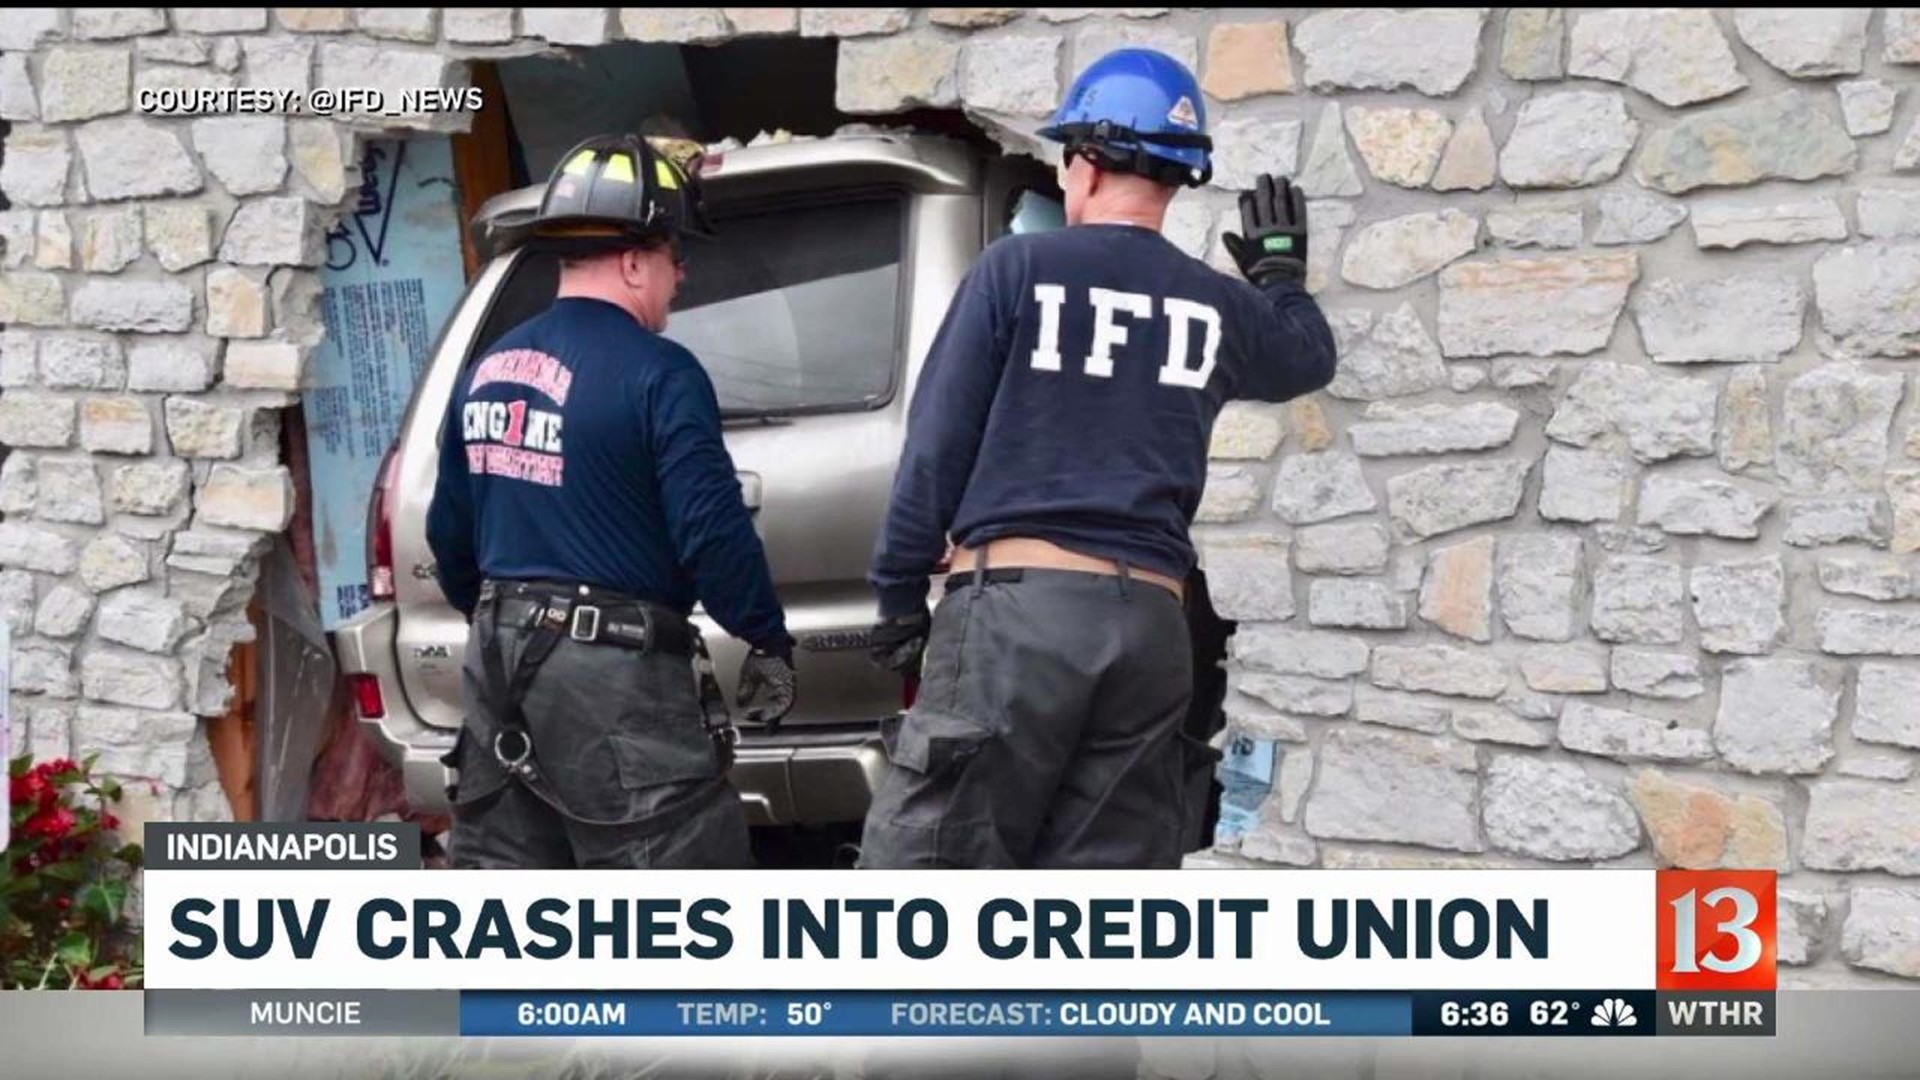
point(710, 93)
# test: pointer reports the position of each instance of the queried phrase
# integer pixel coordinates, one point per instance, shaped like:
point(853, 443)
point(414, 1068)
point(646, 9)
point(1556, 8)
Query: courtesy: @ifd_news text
point(319, 101)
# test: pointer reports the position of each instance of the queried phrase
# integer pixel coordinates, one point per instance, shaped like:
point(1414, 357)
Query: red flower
point(109, 822)
point(31, 788)
point(62, 903)
point(53, 824)
point(62, 765)
point(112, 980)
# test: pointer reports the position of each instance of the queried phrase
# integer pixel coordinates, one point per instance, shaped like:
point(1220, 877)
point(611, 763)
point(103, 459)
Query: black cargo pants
point(1046, 730)
point(618, 736)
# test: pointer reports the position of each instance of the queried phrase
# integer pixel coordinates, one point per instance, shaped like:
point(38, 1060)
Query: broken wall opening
point(730, 92)
point(537, 107)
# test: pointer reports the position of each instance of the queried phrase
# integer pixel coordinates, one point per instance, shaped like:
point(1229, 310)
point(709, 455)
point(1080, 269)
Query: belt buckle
point(585, 625)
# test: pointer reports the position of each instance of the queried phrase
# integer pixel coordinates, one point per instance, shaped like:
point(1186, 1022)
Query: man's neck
point(589, 291)
point(1116, 216)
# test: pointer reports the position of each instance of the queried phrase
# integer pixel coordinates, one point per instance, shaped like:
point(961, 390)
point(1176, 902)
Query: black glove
point(772, 673)
point(1274, 218)
point(897, 643)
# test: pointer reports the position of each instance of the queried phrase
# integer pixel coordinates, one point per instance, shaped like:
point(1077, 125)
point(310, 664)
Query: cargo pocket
point(661, 737)
point(936, 745)
point(629, 778)
point(652, 763)
point(935, 808)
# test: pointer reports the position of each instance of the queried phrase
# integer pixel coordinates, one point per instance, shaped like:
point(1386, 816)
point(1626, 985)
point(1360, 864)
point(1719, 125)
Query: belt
point(999, 575)
point(1017, 552)
point(593, 616)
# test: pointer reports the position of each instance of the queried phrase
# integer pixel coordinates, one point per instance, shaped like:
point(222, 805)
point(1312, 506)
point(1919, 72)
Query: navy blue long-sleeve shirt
point(585, 448)
point(1070, 395)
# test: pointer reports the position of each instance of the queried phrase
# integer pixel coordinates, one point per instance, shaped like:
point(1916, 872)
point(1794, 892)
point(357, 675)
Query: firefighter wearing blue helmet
point(1056, 454)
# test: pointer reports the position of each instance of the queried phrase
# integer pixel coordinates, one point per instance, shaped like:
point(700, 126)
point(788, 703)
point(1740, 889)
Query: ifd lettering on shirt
point(1109, 333)
point(512, 438)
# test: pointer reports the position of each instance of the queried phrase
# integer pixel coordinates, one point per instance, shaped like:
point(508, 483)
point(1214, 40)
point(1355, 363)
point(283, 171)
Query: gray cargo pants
point(618, 736)
point(1045, 733)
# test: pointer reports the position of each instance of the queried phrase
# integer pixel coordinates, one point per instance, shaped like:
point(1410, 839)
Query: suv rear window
point(792, 308)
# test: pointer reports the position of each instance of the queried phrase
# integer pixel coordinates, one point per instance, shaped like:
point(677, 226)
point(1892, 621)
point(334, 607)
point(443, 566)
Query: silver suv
point(812, 312)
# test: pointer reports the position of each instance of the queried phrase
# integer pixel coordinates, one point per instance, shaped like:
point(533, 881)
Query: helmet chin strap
point(1117, 148)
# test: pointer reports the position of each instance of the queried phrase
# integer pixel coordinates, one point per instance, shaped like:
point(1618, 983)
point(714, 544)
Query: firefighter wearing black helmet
point(585, 502)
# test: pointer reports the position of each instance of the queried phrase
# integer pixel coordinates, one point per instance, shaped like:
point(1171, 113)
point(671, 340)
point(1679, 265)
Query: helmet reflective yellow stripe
point(663, 174)
point(580, 165)
point(619, 168)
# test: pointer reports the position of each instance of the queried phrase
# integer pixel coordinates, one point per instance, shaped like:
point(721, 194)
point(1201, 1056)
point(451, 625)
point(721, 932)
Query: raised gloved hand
point(772, 675)
point(1273, 217)
point(899, 642)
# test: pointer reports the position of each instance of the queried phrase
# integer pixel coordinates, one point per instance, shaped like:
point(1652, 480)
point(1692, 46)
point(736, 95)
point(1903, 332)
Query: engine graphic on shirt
point(514, 439)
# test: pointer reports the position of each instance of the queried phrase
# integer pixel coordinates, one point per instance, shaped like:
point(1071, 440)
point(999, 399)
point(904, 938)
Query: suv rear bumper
point(812, 776)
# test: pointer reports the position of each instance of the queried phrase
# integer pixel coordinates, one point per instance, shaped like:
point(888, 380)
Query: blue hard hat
point(1137, 110)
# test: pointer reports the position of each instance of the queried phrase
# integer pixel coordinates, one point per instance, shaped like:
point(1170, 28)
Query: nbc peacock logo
point(1613, 1012)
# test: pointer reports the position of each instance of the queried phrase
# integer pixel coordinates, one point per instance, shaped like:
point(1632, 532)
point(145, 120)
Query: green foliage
point(64, 881)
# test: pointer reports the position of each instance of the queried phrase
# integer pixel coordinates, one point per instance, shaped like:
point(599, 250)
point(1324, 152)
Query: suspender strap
point(512, 744)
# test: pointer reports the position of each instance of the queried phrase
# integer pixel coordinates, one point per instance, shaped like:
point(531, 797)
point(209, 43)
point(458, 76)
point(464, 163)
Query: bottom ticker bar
point(880, 1012)
point(1511, 1013)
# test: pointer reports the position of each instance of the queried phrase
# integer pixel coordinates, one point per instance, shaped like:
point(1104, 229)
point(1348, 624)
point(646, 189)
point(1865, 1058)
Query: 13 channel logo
point(1716, 929)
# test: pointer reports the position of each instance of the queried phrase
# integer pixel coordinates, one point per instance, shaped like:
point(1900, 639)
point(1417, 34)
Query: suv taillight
point(380, 527)
point(367, 698)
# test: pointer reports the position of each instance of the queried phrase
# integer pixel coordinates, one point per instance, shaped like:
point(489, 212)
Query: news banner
point(336, 930)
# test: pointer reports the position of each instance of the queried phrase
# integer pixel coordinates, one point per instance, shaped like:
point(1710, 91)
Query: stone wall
point(1599, 551)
